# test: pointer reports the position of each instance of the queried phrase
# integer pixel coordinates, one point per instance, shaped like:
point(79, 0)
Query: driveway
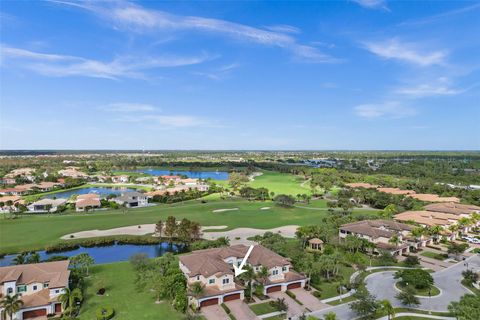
point(241, 310)
point(294, 309)
point(381, 284)
point(308, 300)
point(215, 312)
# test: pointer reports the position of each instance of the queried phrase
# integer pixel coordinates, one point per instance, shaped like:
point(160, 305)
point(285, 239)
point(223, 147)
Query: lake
point(102, 191)
point(108, 254)
point(215, 175)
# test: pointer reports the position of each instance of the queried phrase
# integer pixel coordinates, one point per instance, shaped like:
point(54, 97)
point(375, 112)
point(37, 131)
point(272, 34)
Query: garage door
point(34, 313)
point(294, 285)
point(58, 308)
point(231, 297)
point(274, 289)
point(209, 302)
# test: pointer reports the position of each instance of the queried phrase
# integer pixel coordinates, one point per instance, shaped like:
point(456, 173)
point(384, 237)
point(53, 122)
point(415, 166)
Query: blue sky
point(365, 74)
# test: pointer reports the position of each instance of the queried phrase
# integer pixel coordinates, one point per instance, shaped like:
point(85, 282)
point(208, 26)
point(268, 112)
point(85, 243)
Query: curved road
point(382, 285)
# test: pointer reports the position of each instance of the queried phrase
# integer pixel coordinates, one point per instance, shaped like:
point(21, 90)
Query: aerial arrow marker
point(239, 270)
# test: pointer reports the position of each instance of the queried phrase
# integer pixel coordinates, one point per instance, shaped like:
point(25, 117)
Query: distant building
point(87, 201)
point(46, 205)
point(132, 199)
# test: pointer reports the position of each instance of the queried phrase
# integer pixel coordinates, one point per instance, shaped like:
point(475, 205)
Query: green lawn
point(129, 304)
point(34, 232)
point(330, 289)
point(434, 255)
point(412, 318)
point(281, 183)
point(344, 300)
point(420, 292)
point(262, 308)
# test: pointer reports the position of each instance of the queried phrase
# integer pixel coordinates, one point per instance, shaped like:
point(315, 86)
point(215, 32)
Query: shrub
point(317, 294)
point(418, 278)
point(101, 291)
point(291, 294)
point(105, 313)
point(226, 308)
point(412, 261)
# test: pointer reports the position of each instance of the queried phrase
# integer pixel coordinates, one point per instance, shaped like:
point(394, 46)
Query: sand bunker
point(223, 210)
point(265, 208)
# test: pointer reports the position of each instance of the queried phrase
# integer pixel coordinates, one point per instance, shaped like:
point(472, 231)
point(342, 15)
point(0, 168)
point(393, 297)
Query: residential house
point(4, 207)
point(132, 199)
point(464, 210)
point(213, 268)
point(87, 201)
point(8, 180)
point(396, 191)
point(120, 179)
point(39, 285)
point(380, 233)
point(72, 172)
point(356, 185)
point(428, 197)
point(46, 205)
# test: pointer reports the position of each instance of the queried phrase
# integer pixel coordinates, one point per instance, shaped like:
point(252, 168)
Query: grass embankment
point(262, 308)
point(121, 295)
point(281, 183)
point(434, 255)
point(329, 289)
point(434, 291)
point(35, 232)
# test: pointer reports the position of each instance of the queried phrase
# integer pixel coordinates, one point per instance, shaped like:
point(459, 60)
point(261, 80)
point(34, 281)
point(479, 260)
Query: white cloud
point(136, 18)
point(130, 107)
point(283, 28)
point(372, 4)
point(65, 65)
point(392, 109)
point(395, 49)
point(426, 90)
point(219, 73)
point(167, 121)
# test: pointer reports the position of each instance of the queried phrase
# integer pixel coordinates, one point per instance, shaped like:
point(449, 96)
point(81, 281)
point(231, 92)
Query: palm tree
point(197, 288)
point(331, 316)
point(435, 232)
point(262, 274)
point(395, 240)
point(248, 278)
point(33, 258)
point(19, 259)
point(69, 299)
point(388, 308)
point(11, 304)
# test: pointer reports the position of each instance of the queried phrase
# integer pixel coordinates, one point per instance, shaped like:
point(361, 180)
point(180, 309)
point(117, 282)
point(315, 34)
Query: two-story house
point(213, 268)
point(39, 285)
point(132, 199)
point(381, 233)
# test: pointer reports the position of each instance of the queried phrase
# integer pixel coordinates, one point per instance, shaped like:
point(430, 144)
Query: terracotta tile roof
point(56, 273)
point(209, 262)
point(89, 202)
point(289, 276)
point(396, 191)
point(428, 197)
point(88, 196)
point(361, 185)
point(376, 228)
point(38, 299)
point(315, 241)
point(429, 218)
point(454, 208)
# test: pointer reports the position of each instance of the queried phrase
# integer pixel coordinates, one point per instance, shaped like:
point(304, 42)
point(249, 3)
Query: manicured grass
point(262, 308)
point(344, 300)
point(281, 183)
point(435, 313)
point(434, 255)
point(34, 232)
point(279, 317)
point(119, 281)
point(330, 289)
point(412, 318)
point(420, 292)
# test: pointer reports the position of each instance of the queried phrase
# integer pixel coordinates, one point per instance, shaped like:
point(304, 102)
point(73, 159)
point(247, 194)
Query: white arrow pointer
point(239, 270)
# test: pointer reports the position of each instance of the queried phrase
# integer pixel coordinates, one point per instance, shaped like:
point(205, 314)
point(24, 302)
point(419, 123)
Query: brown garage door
point(274, 289)
point(34, 313)
point(209, 302)
point(231, 297)
point(294, 285)
point(58, 307)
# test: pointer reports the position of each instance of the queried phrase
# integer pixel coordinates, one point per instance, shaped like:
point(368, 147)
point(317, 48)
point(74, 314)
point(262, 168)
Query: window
point(34, 288)
point(57, 291)
point(211, 281)
point(21, 289)
point(284, 268)
point(275, 272)
point(198, 277)
point(45, 285)
point(226, 280)
point(10, 290)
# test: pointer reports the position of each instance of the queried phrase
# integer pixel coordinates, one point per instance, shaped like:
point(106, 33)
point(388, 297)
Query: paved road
point(381, 285)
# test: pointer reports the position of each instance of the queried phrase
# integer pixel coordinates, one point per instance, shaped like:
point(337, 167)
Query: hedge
point(105, 313)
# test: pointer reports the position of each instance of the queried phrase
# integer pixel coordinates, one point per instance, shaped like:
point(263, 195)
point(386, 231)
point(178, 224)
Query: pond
point(215, 175)
point(108, 254)
point(102, 191)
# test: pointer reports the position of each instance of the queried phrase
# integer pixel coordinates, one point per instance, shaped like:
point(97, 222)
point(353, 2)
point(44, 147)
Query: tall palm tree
point(248, 278)
point(69, 299)
point(435, 232)
point(197, 288)
point(19, 259)
point(388, 308)
point(262, 274)
point(11, 304)
point(395, 240)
